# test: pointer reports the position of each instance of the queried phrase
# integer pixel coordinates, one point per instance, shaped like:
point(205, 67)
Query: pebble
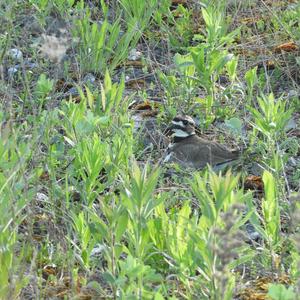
point(12, 71)
point(89, 78)
point(134, 54)
point(31, 65)
point(15, 54)
point(293, 93)
point(42, 197)
point(73, 91)
point(252, 233)
point(97, 250)
point(292, 161)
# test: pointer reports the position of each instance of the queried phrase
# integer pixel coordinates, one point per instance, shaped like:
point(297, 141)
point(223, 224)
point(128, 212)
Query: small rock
point(97, 250)
point(292, 161)
point(293, 93)
point(89, 78)
point(42, 197)
point(12, 71)
point(73, 91)
point(254, 236)
point(15, 54)
point(252, 233)
point(31, 65)
point(134, 54)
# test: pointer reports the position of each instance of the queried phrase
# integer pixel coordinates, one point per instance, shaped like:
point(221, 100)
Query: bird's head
point(182, 126)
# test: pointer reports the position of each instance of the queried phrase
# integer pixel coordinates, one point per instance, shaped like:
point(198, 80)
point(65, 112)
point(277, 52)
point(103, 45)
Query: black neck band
point(177, 139)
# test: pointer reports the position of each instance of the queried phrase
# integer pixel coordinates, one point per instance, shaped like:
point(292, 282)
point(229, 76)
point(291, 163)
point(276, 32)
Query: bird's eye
point(185, 122)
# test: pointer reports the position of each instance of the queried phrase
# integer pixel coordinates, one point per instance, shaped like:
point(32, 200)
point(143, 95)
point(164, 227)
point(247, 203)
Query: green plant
point(251, 80)
point(192, 242)
point(134, 272)
point(270, 120)
point(182, 35)
point(272, 117)
point(80, 215)
point(221, 203)
point(101, 141)
point(288, 21)
point(62, 7)
point(169, 233)
point(102, 46)
point(235, 125)
point(203, 65)
point(43, 88)
point(40, 5)
point(269, 224)
point(127, 216)
point(91, 159)
point(11, 281)
point(15, 194)
point(111, 95)
point(271, 210)
point(94, 110)
point(138, 13)
point(209, 65)
point(294, 212)
point(85, 238)
point(176, 24)
point(209, 57)
point(139, 200)
point(109, 230)
point(180, 87)
point(216, 27)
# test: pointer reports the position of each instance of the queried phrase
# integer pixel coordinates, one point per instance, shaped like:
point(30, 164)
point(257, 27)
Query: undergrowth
point(87, 209)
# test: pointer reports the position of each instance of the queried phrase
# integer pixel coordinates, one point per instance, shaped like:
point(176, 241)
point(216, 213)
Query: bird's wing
point(219, 151)
point(203, 153)
point(188, 153)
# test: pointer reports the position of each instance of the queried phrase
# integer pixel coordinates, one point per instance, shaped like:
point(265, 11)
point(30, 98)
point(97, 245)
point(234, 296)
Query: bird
point(191, 151)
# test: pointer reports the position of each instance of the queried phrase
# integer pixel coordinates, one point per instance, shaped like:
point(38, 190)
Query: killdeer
point(192, 151)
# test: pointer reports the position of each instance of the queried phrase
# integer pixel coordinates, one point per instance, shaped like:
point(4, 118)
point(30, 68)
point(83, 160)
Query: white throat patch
point(180, 133)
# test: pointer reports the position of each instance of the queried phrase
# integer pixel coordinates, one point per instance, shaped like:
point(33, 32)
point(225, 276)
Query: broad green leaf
point(280, 292)
point(121, 226)
point(235, 124)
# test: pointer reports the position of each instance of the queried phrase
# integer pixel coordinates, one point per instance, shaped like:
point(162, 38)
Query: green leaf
point(219, 60)
point(251, 77)
point(90, 97)
point(231, 68)
point(280, 292)
point(109, 277)
point(207, 17)
point(107, 81)
point(271, 210)
point(235, 124)
point(158, 296)
point(120, 91)
point(121, 226)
